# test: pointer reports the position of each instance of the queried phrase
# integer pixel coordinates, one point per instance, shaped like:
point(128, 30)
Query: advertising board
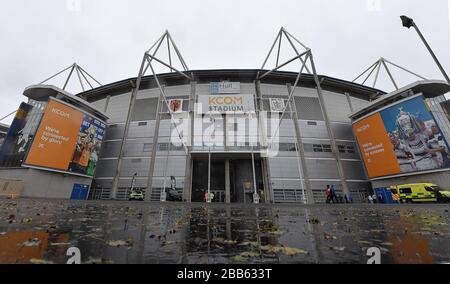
point(403, 138)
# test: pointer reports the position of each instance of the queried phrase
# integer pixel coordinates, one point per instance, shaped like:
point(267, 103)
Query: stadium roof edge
point(243, 75)
point(43, 92)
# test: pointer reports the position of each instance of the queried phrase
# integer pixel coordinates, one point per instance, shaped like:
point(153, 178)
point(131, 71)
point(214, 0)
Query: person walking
point(328, 194)
point(334, 197)
point(375, 198)
point(350, 198)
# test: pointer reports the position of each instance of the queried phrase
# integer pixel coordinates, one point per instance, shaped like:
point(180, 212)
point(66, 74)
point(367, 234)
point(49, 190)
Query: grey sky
point(109, 37)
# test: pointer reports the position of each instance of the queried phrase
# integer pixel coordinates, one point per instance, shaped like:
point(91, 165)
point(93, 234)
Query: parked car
point(136, 195)
point(173, 195)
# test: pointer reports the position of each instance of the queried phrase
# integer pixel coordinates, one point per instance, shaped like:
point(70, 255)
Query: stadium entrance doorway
point(229, 178)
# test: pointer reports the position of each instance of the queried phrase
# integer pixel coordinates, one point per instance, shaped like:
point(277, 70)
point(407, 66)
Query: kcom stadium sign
point(226, 103)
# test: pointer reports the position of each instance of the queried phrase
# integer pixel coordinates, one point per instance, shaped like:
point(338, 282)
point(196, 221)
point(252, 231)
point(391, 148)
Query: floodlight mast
point(82, 75)
point(150, 56)
point(408, 22)
point(303, 58)
point(383, 62)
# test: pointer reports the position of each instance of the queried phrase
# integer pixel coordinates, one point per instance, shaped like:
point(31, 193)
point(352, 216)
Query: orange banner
point(56, 138)
point(376, 148)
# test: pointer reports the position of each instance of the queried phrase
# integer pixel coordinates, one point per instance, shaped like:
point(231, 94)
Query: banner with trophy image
point(403, 138)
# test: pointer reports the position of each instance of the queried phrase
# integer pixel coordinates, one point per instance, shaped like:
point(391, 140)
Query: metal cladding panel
point(110, 149)
point(177, 91)
point(308, 108)
point(117, 110)
point(202, 89)
point(115, 131)
point(337, 107)
point(284, 168)
point(148, 93)
point(158, 183)
point(358, 104)
point(132, 166)
point(143, 129)
point(106, 168)
point(248, 89)
point(354, 170)
point(322, 169)
point(313, 129)
point(103, 183)
point(287, 128)
point(343, 131)
point(165, 128)
point(138, 148)
point(175, 167)
point(100, 104)
point(274, 90)
point(144, 109)
point(126, 183)
point(287, 184)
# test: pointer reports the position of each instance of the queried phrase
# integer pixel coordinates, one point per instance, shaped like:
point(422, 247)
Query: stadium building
point(148, 150)
point(237, 135)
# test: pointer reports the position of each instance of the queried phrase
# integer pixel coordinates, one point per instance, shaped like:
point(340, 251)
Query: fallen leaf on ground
point(118, 243)
point(59, 244)
point(294, 251)
point(249, 254)
point(31, 243)
point(253, 244)
point(179, 224)
point(98, 261)
point(277, 232)
point(329, 237)
point(284, 250)
point(338, 248)
point(166, 243)
point(239, 258)
point(40, 261)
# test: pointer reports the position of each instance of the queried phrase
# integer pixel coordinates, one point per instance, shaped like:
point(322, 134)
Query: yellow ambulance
point(420, 192)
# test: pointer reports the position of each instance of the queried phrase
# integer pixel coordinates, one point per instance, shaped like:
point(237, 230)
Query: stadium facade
point(150, 158)
point(230, 135)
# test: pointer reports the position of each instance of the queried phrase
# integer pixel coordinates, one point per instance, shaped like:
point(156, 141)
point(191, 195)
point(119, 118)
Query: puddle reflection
point(42, 231)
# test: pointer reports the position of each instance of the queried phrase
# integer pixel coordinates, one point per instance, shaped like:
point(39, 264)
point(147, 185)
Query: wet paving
point(41, 231)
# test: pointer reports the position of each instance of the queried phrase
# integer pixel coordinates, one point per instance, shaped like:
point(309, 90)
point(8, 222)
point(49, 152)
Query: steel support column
point(268, 192)
point(301, 150)
point(329, 129)
point(154, 149)
point(208, 198)
point(187, 191)
point(349, 100)
point(125, 135)
point(255, 189)
point(227, 182)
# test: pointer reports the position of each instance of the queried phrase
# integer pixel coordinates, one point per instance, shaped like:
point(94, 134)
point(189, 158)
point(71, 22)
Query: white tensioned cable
point(168, 107)
point(289, 99)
